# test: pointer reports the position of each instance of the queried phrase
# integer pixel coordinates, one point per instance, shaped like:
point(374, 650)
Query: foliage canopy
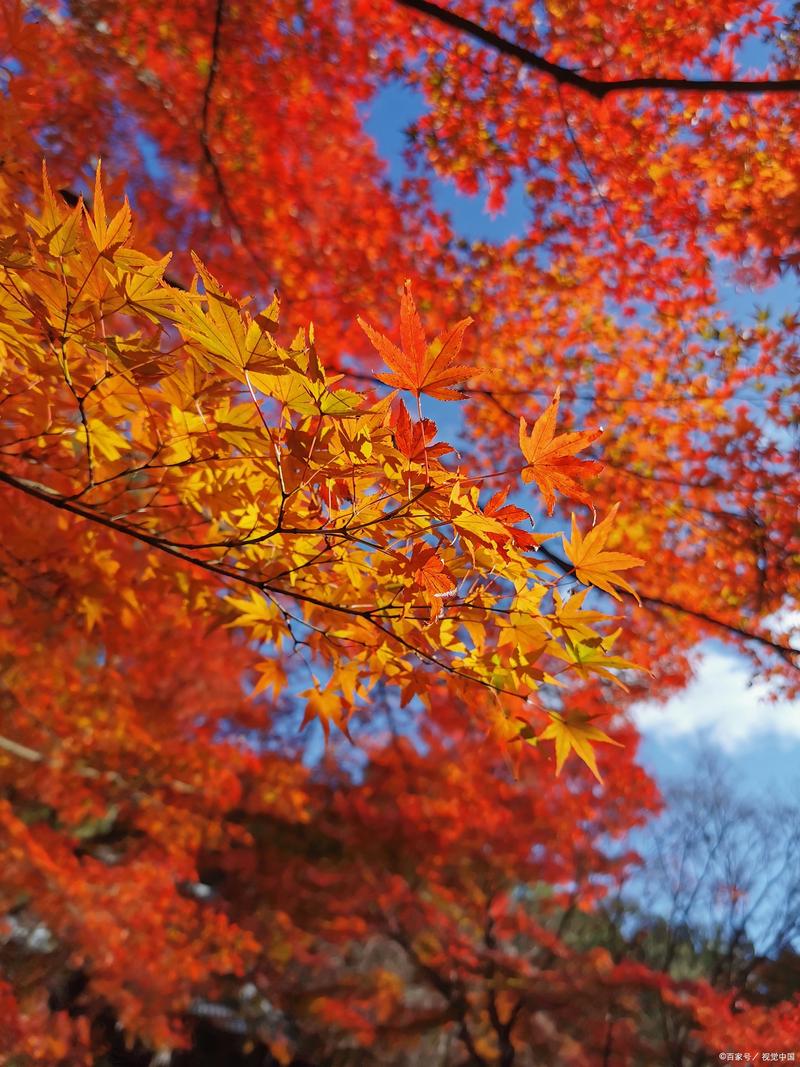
point(221, 522)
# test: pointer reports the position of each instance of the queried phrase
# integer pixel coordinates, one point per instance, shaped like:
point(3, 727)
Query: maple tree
point(220, 522)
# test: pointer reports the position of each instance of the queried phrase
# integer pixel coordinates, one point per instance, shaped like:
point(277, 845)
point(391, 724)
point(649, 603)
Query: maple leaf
point(418, 366)
point(509, 515)
point(140, 281)
point(272, 675)
point(414, 439)
point(432, 576)
point(92, 610)
point(596, 566)
point(572, 618)
point(551, 460)
point(56, 227)
point(312, 490)
point(328, 706)
point(228, 335)
point(574, 734)
point(506, 726)
point(107, 236)
point(593, 655)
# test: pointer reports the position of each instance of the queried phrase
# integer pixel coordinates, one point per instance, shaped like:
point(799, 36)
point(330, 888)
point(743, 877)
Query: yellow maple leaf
point(596, 566)
point(92, 610)
point(57, 226)
point(328, 706)
point(107, 236)
point(592, 655)
point(575, 734)
point(572, 618)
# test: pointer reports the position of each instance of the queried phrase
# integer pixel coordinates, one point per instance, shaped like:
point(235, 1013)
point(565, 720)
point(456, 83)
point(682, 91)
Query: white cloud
point(721, 705)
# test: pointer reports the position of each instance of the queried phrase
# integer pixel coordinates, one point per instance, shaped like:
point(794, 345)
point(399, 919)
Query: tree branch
point(451, 992)
point(205, 140)
point(47, 496)
point(599, 88)
point(786, 652)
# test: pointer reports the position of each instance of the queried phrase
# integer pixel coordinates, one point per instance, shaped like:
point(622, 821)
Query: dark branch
point(452, 993)
point(788, 654)
point(205, 140)
point(596, 88)
point(372, 616)
point(213, 68)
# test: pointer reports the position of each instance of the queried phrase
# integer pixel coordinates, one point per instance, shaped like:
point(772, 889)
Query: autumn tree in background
point(713, 903)
point(221, 522)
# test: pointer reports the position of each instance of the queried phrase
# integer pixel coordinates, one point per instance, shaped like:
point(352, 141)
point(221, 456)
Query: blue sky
point(721, 710)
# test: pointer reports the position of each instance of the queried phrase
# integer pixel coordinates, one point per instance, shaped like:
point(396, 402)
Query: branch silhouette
point(597, 88)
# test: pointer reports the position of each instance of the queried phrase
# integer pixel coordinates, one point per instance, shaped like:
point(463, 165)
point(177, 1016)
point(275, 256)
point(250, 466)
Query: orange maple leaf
point(414, 439)
point(551, 460)
point(593, 564)
point(505, 513)
point(418, 366)
point(433, 577)
point(509, 515)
